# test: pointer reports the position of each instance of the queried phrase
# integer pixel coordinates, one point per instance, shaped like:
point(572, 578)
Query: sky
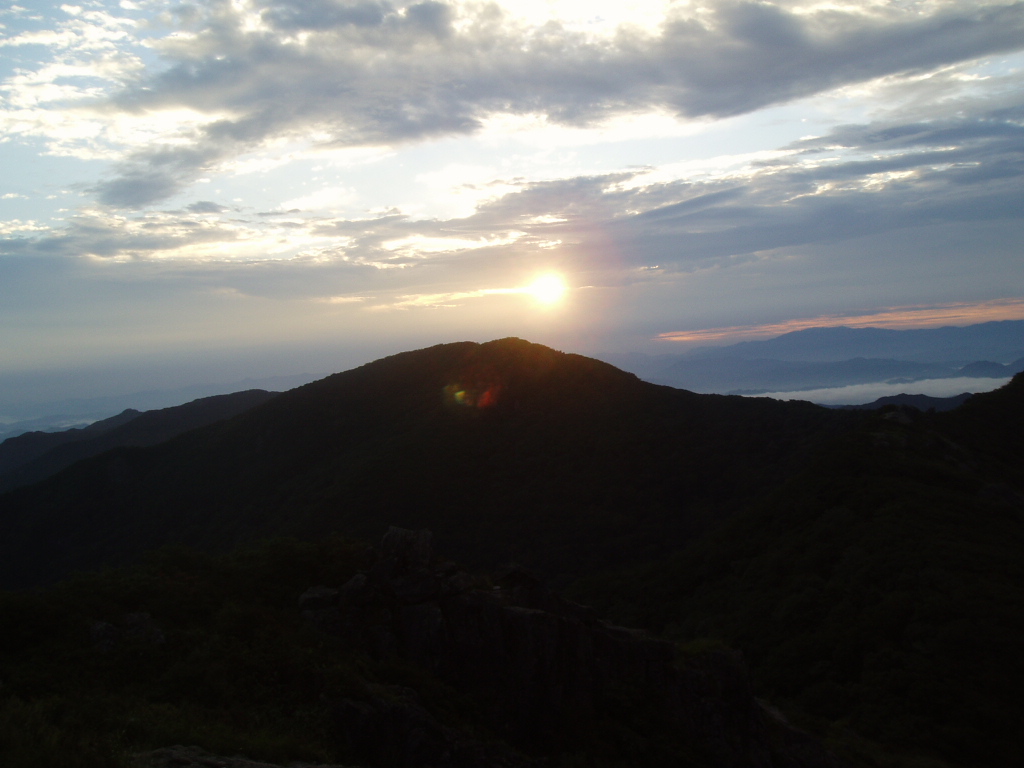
point(222, 189)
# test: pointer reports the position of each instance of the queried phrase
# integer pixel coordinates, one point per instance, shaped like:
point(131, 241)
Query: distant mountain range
point(78, 412)
point(34, 456)
point(1001, 341)
point(803, 360)
point(918, 402)
point(866, 563)
point(818, 358)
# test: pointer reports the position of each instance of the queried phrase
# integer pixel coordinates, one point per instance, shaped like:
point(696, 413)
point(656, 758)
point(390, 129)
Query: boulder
point(545, 670)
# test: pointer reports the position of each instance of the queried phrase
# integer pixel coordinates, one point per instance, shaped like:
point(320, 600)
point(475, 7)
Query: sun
point(547, 289)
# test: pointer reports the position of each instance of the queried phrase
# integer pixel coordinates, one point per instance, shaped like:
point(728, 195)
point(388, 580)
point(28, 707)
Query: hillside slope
point(34, 456)
point(326, 651)
point(879, 591)
point(506, 450)
point(867, 564)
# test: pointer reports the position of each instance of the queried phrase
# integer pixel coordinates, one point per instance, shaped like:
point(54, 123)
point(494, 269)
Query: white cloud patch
point(327, 198)
point(421, 245)
point(859, 394)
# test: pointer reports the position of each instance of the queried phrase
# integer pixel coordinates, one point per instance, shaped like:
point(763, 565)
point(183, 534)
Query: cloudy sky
point(228, 188)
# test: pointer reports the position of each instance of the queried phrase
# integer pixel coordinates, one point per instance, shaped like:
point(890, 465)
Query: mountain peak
point(509, 450)
point(493, 375)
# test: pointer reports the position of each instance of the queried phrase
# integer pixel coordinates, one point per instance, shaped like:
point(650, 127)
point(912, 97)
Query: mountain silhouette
point(994, 340)
point(32, 456)
point(920, 402)
point(865, 563)
point(880, 586)
point(508, 451)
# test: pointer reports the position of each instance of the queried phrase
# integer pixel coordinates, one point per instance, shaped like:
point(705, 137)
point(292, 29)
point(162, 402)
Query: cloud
point(371, 73)
point(292, 15)
point(864, 207)
point(854, 181)
point(959, 313)
point(157, 173)
point(153, 236)
point(205, 206)
point(859, 394)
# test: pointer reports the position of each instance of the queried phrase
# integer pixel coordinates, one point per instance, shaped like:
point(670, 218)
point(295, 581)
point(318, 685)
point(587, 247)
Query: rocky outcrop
point(194, 757)
point(548, 673)
point(132, 628)
point(390, 728)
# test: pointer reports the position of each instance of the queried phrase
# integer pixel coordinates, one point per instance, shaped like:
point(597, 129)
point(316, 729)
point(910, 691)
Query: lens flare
point(547, 289)
point(472, 397)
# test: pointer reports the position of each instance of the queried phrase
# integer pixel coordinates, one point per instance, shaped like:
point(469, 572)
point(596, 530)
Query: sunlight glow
point(547, 289)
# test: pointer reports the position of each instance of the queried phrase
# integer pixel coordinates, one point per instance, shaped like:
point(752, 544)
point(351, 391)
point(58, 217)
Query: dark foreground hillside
point(880, 592)
point(332, 653)
point(866, 564)
point(508, 451)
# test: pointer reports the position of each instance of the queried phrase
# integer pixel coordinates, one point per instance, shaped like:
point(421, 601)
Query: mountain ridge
point(34, 456)
point(998, 340)
point(481, 441)
point(866, 563)
point(828, 357)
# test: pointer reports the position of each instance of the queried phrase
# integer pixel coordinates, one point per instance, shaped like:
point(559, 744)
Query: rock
point(544, 670)
point(104, 635)
point(352, 588)
point(393, 729)
point(318, 598)
point(134, 628)
point(901, 414)
point(195, 757)
point(408, 549)
point(140, 628)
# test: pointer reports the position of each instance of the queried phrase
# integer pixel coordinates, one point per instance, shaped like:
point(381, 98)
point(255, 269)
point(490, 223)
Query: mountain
point(33, 456)
point(331, 651)
point(506, 450)
point(21, 406)
point(866, 564)
point(920, 402)
point(757, 376)
point(878, 590)
point(818, 358)
point(25, 446)
point(55, 423)
point(1001, 340)
point(987, 369)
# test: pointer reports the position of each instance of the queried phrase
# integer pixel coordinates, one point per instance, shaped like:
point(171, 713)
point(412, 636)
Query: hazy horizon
point(860, 394)
point(87, 394)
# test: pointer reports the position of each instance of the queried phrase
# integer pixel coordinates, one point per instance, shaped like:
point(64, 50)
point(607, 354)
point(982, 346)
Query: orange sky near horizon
point(899, 318)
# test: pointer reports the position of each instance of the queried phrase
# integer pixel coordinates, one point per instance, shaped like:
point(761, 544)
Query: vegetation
point(575, 466)
point(185, 648)
point(866, 564)
point(878, 596)
point(189, 648)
